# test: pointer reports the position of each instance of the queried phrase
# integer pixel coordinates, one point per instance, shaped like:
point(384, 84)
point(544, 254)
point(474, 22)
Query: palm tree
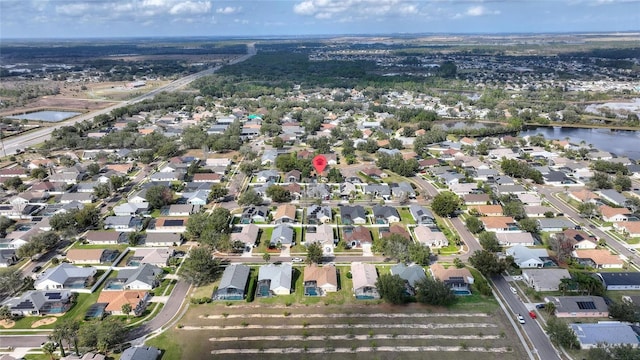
point(49, 348)
point(59, 334)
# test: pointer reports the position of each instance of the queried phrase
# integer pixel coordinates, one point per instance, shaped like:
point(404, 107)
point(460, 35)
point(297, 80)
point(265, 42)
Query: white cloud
point(475, 11)
point(73, 9)
point(327, 9)
point(190, 7)
point(229, 10)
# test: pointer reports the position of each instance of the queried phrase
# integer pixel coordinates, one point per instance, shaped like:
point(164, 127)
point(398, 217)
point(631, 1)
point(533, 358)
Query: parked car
point(37, 268)
point(297, 260)
point(520, 319)
point(513, 290)
point(532, 315)
point(540, 306)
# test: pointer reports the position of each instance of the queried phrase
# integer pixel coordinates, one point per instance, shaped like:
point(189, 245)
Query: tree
point(434, 292)
point(49, 348)
point(117, 182)
point(616, 352)
point(474, 224)
point(218, 191)
point(529, 225)
point(158, 196)
point(5, 313)
point(562, 246)
point(458, 263)
point(219, 220)
point(59, 334)
point(624, 311)
point(419, 254)
point(561, 334)
point(487, 263)
point(250, 197)
point(394, 246)
point(391, 288)
point(622, 182)
point(445, 203)
point(514, 209)
point(126, 308)
point(200, 267)
point(266, 257)
point(335, 176)
point(489, 241)
point(278, 193)
point(196, 224)
point(13, 183)
point(102, 191)
point(5, 223)
point(314, 253)
point(277, 142)
point(93, 169)
point(39, 173)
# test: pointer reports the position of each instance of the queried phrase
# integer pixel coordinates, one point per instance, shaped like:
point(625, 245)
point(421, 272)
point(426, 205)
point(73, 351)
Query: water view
point(48, 116)
point(619, 142)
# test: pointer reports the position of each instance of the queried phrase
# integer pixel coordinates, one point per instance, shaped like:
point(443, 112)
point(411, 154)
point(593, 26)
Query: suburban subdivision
point(329, 198)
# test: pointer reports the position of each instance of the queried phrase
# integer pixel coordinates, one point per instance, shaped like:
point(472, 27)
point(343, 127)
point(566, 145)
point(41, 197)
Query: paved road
point(466, 236)
point(541, 343)
point(35, 137)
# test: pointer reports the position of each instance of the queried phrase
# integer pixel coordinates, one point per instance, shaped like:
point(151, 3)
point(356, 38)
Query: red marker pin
point(319, 163)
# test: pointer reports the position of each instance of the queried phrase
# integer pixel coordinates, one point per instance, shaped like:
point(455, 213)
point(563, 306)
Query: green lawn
point(170, 348)
point(405, 216)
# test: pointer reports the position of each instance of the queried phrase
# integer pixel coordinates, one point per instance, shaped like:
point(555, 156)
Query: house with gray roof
point(350, 215)
point(248, 235)
point(162, 239)
point(233, 283)
point(382, 191)
point(545, 279)
point(141, 353)
point(318, 191)
point(364, 281)
point(265, 176)
point(40, 302)
point(144, 277)
point(318, 214)
point(410, 274)
point(528, 258)
point(65, 276)
point(449, 178)
point(254, 214)
point(130, 209)
point(579, 306)
point(508, 189)
point(269, 157)
point(554, 224)
point(283, 235)
point(612, 196)
point(8, 257)
point(403, 190)
point(385, 214)
point(123, 223)
point(607, 333)
point(421, 214)
point(81, 197)
point(274, 280)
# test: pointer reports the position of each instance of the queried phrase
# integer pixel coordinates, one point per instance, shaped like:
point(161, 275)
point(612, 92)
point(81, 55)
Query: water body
point(48, 116)
point(619, 142)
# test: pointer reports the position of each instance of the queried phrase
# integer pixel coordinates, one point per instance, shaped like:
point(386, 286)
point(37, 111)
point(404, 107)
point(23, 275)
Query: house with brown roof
point(105, 237)
point(374, 173)
point(357, 237)
point(116, 299)
point(632, 228)
point(320, 280)
point(499, 223)
point(459, 280)
point(427, 236)
point(207, 177)
point(397, 229)
point(598, 258)
point(614, 214)
point(120, 168)
point(488, 210)
point(85, 256)
point(285, 213)
point(248, 235)
point(169, 224)
point(476, 199)
point(580, 239)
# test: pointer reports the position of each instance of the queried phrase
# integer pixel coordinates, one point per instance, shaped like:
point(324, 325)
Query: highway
point(32, 138)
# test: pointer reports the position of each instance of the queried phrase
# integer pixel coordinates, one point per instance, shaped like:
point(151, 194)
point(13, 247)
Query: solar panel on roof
point(24, 305)
point(586, 305)
point(53, 296)
point(173, 222)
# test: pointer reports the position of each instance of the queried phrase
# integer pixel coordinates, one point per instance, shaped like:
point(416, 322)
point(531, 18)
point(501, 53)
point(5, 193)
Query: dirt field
point(374, 331)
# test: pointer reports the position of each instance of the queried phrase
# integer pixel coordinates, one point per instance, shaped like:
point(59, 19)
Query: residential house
point(85, 256)
point(269, 157)
point(144, 277)
point(612, 196)
point(430, 237)
point(115, 300)
point(106, 237)
point(605, 334)
point(485, 174)
point(374, 173)
point(40, 303)
point(248, 235)
point(285, 213)
point(168, 225)
point(162, 239)
point(198, 197)
point(515, 238)
point(348, 190)
point(318, 214)
point(350, 215)
point(545, 279)
point(501, 190)
point(385, 214)
point(554, 224)
point(274, 280)
point(499, 223)
point(381, 191)
point(598, 258)
point(459, 280)
point(320, 280)
point(259, 214)
point(631, 228)
point(537, 211)
point(612, 214)
point(421, 215)
point(397, 229)
point(282, 235)
point(364, 278)
point(83, 198)
point(321, 234)
point(318, 191)
point(462, 189)
point(212, 178)
point(138, 197)
point(7, 257)
point(265, 176)
point(154, 256)
point(583, 195)
point(403, 190)
point(123, 223)
point(525, 257)
point(410, 274)
point(233, 283)
point(620, 280)
point(183, 209)
point(580, 239)
point(131, 209)
point(292, 176)
point(65, 276)
point(357, 237)
point(579, 306)
point(488, 210)
point(476, 199)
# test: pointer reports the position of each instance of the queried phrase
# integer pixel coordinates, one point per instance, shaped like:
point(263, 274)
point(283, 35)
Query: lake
point(619, 142)
point(48, 116)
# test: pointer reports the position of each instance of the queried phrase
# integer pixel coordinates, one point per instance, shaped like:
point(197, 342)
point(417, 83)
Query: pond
point(48, 116)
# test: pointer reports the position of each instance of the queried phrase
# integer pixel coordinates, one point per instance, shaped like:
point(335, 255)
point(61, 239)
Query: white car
point(297, 260)
point(513, 290)
point(520, 319)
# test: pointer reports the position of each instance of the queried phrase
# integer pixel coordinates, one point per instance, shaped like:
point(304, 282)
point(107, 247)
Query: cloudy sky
point(127, 18)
